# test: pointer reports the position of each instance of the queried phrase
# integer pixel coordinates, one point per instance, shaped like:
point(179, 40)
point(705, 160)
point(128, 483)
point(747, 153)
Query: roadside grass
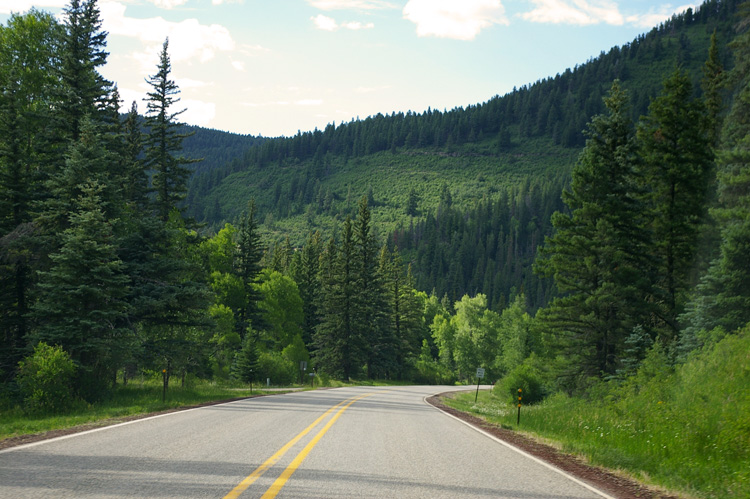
point(687, 430)
point(137, 398)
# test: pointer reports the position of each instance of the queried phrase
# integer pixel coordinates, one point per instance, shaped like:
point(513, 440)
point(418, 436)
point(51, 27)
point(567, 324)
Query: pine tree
point(370, 322)
point(307, 278)
point(723, 297)
point(135, 184)
point(676, 147)
point(85, 91)
point(247, 262)
point(164, 142)
point(339, 346)
point(597, 256)
point(82, 303)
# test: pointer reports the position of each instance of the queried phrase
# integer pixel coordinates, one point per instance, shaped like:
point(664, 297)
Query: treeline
point(96, 258)
point(488, 249)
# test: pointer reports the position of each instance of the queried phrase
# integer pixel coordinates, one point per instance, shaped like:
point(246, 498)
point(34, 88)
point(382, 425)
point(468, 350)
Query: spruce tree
point(163, 143)
point(247, 268)
point(339, 346)
point(597, 255)
point(723, 297)
point(370, 321)
point(82, 303)
point(676, 148)
point(84, 90)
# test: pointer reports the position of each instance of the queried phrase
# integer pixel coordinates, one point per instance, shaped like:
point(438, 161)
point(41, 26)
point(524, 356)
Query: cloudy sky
point(273, 67)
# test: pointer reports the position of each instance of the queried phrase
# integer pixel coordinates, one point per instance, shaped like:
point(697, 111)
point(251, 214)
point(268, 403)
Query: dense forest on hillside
point(513, 152)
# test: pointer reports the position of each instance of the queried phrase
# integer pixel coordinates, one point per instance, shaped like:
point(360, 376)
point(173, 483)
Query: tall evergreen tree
point(676, 147)
point(597, 255)
point(82, 297)
point(164, 142)
point(85, 91)
point(306, 276)
point(723, 297)
point(370, 321)
point(247, 262)
point(135, 183)
point(339, 347)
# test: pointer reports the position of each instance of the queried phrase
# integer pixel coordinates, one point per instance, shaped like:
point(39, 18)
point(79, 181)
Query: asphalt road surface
point(342, 443)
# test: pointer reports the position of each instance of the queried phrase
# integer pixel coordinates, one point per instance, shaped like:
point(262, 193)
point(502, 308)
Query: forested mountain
point(507, 158)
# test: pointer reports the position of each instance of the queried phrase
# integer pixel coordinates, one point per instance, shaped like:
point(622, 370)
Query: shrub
point(528, 377)
point(281, 371)
point(45, 379)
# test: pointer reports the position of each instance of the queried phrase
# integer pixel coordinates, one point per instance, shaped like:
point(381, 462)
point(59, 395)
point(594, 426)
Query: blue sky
point(272, 67)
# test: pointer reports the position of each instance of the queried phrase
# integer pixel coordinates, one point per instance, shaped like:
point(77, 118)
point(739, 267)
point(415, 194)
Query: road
point(363, 442)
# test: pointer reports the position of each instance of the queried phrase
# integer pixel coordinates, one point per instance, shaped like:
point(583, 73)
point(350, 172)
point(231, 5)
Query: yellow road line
point(244, 484)
point(274, 489)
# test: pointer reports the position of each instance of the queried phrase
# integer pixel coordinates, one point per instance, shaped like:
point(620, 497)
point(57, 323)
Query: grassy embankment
point(131, 400)
point(686, 429)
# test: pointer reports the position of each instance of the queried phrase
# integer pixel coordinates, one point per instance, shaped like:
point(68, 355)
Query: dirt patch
point(607, 481)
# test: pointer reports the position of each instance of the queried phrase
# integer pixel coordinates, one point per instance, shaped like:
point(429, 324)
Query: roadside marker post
point(480, 375)
point(518, 421)
point(164, 385)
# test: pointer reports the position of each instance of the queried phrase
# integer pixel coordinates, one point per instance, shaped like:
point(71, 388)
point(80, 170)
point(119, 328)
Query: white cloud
point(238, 65)
point(197, 112)
point(329, 24)
point(309, 102)
point(188, 83)
point(580, 12)
point(188, 39)
point(355, 25)
point(168, 4)
point(655, 17)
point(325, 23)
point(588, 12)
point(451, 19)
point(351, 4)
point(21, 6)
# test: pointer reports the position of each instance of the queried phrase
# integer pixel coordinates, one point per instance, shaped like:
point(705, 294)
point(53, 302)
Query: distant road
point(340, 443)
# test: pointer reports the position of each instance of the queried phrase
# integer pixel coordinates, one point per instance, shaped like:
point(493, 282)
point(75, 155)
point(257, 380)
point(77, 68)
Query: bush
point(281, 371)
point(528, 377)
point(45, 380)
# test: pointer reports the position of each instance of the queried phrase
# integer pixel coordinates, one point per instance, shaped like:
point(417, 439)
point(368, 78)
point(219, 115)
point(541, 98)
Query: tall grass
point(686, 429)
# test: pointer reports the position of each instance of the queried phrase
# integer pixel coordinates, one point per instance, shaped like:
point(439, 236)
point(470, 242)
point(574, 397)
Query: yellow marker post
point(518, 421)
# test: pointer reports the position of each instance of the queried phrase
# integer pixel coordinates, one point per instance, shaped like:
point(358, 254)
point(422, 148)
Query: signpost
point(480, 375)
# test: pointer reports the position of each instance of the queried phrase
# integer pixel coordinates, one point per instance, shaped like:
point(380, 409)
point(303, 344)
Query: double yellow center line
point(271, 461)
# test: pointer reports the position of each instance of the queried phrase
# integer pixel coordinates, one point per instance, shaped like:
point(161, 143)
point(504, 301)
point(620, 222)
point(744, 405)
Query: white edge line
point(522, 452)
point(108, 427)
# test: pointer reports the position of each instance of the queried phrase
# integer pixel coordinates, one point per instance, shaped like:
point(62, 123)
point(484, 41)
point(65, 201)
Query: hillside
point(508, 146)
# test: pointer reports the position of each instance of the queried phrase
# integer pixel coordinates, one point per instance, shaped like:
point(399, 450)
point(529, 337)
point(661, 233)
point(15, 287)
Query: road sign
point(480, 372)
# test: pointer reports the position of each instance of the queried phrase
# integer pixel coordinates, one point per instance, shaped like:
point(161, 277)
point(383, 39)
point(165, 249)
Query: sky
point(276, 67)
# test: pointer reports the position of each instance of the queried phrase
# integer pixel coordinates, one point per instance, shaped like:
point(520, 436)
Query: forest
point(562, 259)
